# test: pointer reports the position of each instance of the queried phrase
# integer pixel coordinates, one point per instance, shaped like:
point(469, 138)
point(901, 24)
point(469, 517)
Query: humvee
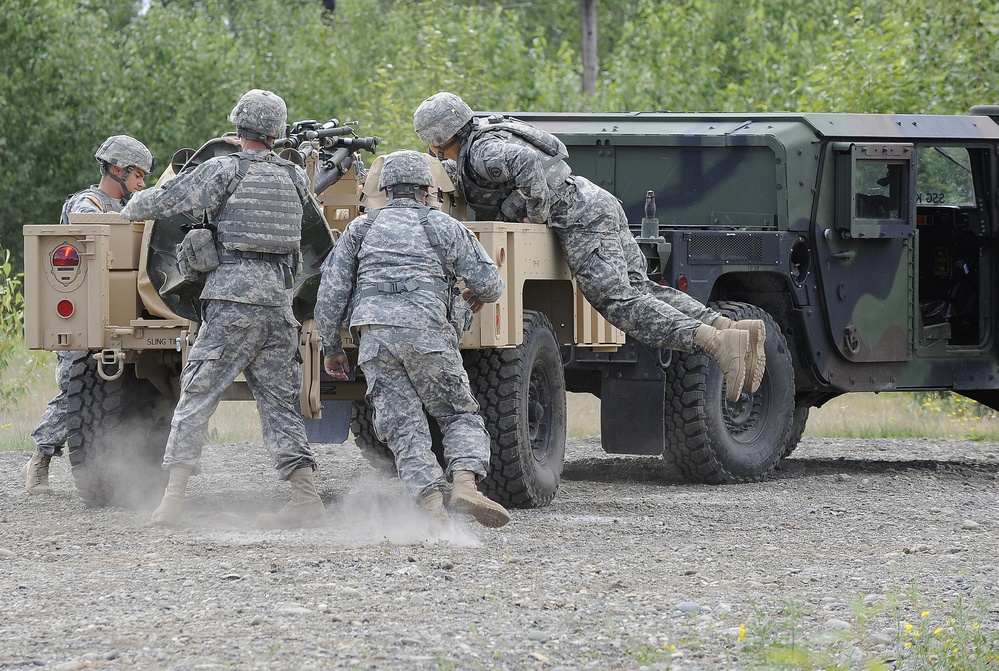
point(865, 242)
point(111, 291)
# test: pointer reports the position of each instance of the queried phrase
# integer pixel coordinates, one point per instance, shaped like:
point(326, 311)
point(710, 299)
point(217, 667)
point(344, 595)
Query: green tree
point(169, 74)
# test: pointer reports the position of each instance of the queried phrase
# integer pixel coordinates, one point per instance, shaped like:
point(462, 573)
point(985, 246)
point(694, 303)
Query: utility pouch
point(198, 252)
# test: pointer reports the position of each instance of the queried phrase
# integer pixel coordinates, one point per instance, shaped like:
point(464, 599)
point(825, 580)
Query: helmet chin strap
point(416, 191)
point(254, 135)
point(108, 170)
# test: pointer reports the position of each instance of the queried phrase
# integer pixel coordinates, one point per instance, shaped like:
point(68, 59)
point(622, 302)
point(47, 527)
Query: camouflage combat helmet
point(259, 115)
point(405, 167)
point(125, 151)
point(440, 118)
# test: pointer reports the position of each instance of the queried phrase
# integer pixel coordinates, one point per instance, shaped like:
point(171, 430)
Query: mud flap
point(334, 426)
point(631, 413)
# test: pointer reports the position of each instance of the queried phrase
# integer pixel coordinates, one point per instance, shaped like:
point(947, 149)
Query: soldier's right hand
point(337, 366)
point(473, 303)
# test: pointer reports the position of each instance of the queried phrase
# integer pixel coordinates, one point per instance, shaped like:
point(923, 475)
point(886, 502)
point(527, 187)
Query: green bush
point(12, 387)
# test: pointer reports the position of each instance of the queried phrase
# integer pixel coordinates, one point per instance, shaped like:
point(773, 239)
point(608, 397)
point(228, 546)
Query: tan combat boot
point(730, 348)
point(433, 504)
point(466, 498)
point(167, 514)
point(36, 473)
point(757, 352)
point(304, 511)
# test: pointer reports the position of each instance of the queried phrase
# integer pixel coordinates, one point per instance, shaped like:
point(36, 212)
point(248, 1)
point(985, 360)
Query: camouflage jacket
point(253, 281)
point(396, 249)
point(503, 178)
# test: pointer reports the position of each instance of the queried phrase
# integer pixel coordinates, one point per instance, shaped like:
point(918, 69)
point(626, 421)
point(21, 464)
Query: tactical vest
point(104, 202)
point(444, 288)
point(264, 212)
point(487, 197)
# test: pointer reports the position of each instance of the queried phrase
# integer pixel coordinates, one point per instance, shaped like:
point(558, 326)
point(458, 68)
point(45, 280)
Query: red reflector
point(681, 283)
point(65, 256)
point(65, 308)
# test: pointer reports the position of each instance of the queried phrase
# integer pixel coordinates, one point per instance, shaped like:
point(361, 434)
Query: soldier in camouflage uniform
point(256, 201)
point(508, 170)
point(390, 278)
point(124, 162)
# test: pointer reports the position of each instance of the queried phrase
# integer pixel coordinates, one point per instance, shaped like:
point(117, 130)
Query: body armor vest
point(103, 202)
point(486, 197)
point(264, 213)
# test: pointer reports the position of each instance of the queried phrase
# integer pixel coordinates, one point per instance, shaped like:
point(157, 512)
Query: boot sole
point(756, 364)
point(486, 516)
point(735, 387)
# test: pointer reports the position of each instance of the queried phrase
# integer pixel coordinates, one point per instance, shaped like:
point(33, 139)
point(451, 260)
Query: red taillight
point(65, 308)
point(681, 283)
point(65, 256)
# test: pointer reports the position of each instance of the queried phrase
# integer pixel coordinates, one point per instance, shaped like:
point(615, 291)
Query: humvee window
point(874, 190)
point(943, 177)
point(878, 195)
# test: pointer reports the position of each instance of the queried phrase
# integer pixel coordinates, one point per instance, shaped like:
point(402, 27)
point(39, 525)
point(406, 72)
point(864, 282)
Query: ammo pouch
point(197, 253)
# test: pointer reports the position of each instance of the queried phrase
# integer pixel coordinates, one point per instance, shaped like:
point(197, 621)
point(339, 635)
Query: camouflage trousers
point(260, 342)
point(409, 370)
point(610, 270)
point(51, 432)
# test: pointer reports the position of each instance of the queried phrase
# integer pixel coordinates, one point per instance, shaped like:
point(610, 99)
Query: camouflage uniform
point(503, 177)
point(408, 348)
point(51, 433)
point(249, 325)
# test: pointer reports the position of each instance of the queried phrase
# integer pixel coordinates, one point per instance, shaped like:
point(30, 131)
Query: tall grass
point(234, 421)
point(886, 415)
point(904, 415)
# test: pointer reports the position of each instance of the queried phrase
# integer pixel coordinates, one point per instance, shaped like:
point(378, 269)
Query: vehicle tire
point(377, 453)
point(716, 442)
point(118, 430)
point(798, 421)
point(521, 394)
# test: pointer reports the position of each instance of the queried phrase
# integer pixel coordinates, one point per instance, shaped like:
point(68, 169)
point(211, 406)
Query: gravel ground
point(625, 564)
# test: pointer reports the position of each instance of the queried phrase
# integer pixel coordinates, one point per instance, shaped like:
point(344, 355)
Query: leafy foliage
point(12, 387)
point(170, 72)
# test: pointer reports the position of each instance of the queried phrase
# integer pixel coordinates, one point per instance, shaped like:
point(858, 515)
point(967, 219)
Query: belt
point(402, 287)
point(261, 256)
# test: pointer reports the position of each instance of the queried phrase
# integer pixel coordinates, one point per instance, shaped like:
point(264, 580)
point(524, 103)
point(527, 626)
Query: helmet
point(405, 167)
point(440, 117)
point(125, 152)
point(261, 112)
